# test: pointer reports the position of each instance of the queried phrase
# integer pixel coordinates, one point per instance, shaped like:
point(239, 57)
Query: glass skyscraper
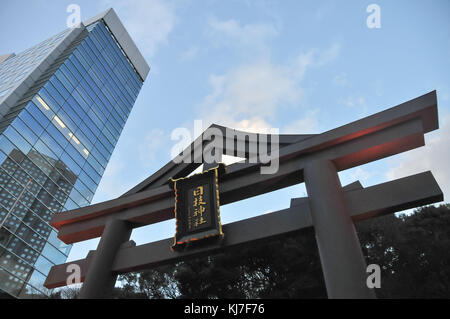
point(63, 105)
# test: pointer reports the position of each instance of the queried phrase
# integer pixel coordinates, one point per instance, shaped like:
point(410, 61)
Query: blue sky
point(300, 66)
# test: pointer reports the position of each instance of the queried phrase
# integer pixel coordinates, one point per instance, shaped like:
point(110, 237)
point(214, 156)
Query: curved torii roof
point(174, 170)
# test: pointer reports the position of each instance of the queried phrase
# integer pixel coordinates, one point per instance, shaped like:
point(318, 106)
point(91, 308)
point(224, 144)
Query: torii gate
point(330, 208)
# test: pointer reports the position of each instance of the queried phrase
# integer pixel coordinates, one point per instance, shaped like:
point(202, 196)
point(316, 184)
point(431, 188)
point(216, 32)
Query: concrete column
point(100, 280)
point(343, 264)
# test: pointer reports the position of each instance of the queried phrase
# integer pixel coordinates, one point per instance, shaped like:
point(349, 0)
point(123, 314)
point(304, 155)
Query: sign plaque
point(197, 207)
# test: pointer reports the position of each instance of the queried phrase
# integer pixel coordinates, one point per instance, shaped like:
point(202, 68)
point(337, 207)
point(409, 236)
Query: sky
point(299, 66)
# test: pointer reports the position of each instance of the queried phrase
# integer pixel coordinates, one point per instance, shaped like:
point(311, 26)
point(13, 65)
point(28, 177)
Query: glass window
point(31, 122)
point(5, 145)
point(40, 162)
point(80, 101)
point(19, 141)
point(75, 106)
point(78, 66)
point(2, 158)
point(57, 136)
point(81, 59)
point(84, 140)
point(10, 266)
point(106, 143)
point(54, 94)
point(85, 92)
point(99, 114)
point(24, 131)
point(95, 78)
point(87, 194)
point(10, 283)
point(85, 129)
point(70, 205)
point(58, 244)
point(98, 123)
point(102, 149)
point(95, 164)
point(90, 124)
point(46, 103)
point(53, 254)
point(69, 76)
point(75, 155)
point(71, 113)
point(43, 264)
point(56, 149)
point(73, 69)
point(37, 280)
point(67, 121)
point(99, 157)
point(60, 87)
point(114, 127)
point(63, 79)
point(84, 49)
point(74, 167)
point(37, 114)
point(109, 136)
point(88, 181)
point(78, 198)
point(91, 172)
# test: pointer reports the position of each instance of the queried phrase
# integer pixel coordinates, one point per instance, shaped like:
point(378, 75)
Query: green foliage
point(153, 284)
point(268, 270)
point(413, 252)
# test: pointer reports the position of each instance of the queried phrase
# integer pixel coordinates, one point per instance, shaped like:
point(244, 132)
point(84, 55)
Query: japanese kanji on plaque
point(197, 207)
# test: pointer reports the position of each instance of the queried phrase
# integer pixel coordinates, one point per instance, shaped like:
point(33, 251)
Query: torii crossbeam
point(329, 208)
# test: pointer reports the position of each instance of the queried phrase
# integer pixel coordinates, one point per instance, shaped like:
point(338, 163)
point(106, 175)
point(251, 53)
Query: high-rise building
point(63, 105)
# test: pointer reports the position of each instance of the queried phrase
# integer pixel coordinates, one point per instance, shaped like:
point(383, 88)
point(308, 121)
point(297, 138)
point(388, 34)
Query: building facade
point(63, 105)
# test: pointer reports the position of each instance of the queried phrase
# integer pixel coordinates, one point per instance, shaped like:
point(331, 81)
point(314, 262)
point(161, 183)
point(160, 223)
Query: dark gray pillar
point(343, 264)
point(100, 280)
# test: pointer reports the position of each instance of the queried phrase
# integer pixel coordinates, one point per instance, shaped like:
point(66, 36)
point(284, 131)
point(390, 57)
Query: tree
point(413, 252)
point(154, 284)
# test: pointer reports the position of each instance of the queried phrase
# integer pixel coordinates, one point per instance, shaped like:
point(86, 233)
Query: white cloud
point(360, 174)
point(253, 125)
point(244, 97)
point(354, 102)
point(356, 174)
point(316, 58)
point(308, 124)
point(149, 22)
point(232, 33)
point(248, 97)
point(434, 157)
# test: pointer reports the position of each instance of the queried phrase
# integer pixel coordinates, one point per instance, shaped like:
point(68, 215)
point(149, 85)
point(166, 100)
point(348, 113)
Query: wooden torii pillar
point(330, 208)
